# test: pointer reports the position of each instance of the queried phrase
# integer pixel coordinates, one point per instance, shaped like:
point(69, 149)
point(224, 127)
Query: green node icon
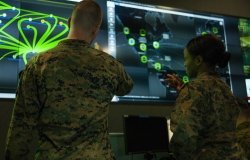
point(203, 33)
point(131, 41)
point(144, 59)
point(126, 30)
point(142, 32)
point(156, 45)
point(185, 79)
point(215, 30)
point(143, 47)
point(157, 66)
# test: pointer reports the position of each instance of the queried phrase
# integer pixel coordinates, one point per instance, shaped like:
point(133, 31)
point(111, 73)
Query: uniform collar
point(205, 74)
point(74, 42)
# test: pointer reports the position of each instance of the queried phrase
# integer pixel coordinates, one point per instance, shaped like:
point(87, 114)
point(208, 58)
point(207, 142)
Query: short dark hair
point(210, 48)
point(86, 14)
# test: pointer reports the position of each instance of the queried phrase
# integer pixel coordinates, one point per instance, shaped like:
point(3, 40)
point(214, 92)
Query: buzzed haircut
point(87, 15)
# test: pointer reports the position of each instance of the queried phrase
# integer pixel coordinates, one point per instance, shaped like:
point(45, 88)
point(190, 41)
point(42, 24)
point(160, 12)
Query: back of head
point(210, 48)
point(86, 16)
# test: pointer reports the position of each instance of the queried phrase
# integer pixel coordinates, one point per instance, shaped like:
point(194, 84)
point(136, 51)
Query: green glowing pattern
point(126, 30)
point(144, 59)
point(156, 45)
point(131, 41)
point(215, 30)
point(142, 32)
point(157, 66)
point(37, 32)
point(244, 30)
point(185, 79)
point(143, 47)
point(203, 33)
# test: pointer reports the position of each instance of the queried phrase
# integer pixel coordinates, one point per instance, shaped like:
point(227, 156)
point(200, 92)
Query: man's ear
point(94, 31)
point(198, 60)
point(69, 22)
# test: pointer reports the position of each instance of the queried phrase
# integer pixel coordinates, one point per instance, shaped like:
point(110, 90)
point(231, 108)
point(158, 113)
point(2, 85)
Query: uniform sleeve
point(125, 82)
point(243, 135)
point(23, 132)
point(186, 123)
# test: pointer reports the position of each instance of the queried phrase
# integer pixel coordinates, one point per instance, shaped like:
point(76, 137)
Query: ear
point(69, 21)
point(94, 31)
point(198, 60)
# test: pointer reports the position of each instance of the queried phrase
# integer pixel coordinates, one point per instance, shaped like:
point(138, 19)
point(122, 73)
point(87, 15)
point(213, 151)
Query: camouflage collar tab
point(74, 42)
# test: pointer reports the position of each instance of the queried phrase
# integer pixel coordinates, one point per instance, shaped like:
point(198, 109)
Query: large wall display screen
point(148, 40)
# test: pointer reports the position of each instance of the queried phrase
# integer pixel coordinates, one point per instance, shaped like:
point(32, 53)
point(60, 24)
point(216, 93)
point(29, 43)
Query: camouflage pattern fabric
point(62, 104)
point(205, 109)
point(243, 135)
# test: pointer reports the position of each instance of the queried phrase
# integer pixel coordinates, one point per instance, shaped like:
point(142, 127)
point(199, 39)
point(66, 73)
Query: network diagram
point(25, 33)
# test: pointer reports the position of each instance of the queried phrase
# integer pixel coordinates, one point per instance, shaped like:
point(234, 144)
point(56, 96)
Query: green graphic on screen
point(25, 33)
point(244, 30)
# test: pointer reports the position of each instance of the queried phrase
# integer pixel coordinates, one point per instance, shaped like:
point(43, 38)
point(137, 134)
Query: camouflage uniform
point(62, 104)
point(205, 110)
point(243, 135)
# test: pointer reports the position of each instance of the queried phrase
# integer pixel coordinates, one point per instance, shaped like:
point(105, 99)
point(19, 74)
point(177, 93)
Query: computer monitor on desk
point(145, 134)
